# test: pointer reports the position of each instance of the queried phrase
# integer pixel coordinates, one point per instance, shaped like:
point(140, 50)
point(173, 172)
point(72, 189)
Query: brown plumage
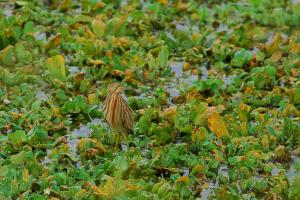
point(116, 110)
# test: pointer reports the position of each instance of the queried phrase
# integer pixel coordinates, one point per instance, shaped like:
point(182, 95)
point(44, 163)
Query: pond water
point(42, 96)
point(8, 9)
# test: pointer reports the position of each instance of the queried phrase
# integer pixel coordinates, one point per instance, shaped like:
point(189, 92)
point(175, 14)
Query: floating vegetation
point(214, 88)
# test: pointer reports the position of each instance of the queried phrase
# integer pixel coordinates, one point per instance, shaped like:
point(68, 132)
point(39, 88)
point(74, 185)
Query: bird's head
point(116, 88)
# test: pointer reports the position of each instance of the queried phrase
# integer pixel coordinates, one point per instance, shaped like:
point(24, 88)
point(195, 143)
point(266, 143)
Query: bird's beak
point(121, 89)
point(125, 88)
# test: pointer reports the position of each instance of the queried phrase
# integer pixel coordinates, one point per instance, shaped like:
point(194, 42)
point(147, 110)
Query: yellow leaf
point(98, 191)
point(201, 110)
point(164, 2)
point(93, 99)
point(265, 141)
point(7, 56)
point(186, 66)
point(199, 134)
point(241, 158)
point(217, 125)
point(182, 179)
point(56, 67)
point(255, 154)
point(54, 41)
point(169, 112)
point(65, 4)
point(243, 112)
point(276, 56)
point(182, 6)
point(96, 62)
point(198, 169)
point(26, 175)
point(275, 44)
point(295, 48)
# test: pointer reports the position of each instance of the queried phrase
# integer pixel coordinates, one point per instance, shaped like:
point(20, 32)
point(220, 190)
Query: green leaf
point(18, 159)
point(56, 67)
point(61, 95)
point(38, 135)
point(232, 160)
point(60, 179)
point(17, 137)
point(22, 54)
point(36, 105)
point(297, 96)
point(270, 70)
point(163, 57)
point(261, 185)
point(151, 61)
point(116, 27)
point(241, 57)
point(4, 170)
point(98, 28)
point(28, 28)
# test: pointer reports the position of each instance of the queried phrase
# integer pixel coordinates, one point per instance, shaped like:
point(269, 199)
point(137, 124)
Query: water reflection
point(208, 191)
point(291, 173)
point(83, 131)
point(204, 72)
point(182, 77)
point(46, 160)
point(73, 69)
point(40, 36)
point(8, 9)
point(42, 96)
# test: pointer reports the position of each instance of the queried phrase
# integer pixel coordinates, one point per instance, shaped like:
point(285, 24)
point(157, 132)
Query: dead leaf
point(164, 2)
point(171, 111)
point(54, 41)
point(276, 56)
point(183, 179)
point(295, 48)
point(217, 125)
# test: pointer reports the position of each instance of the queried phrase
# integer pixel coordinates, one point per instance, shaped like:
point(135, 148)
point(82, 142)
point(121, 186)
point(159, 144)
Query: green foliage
point(214, 91)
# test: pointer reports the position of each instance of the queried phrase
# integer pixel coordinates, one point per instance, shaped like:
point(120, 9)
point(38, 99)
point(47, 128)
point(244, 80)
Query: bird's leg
point(117, 141)
point(124, 143)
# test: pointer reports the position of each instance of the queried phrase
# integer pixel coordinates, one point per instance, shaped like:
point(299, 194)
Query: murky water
point(42, 96)
point(228, 80)
point(208, 191)
point(204, 72)
point(186, 172)
point(182, 77)
point(72, 138)
point(182, 25)
point(8, 9)
point(223, 170)
point(46, 159)
point(180, 81)
point(291, 173)
point(40, 36)
point(73, 69)
point(83, 131)
point(224, 28)
point(124, 147)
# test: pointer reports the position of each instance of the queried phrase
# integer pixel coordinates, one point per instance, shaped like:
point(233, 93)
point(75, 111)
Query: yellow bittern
point(116, 110)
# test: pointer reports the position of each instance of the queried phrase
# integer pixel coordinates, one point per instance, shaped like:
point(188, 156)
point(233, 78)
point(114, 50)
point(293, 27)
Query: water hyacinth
point(211, 110)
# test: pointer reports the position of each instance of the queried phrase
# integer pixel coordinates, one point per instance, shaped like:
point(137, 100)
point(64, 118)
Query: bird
point(116, 110)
